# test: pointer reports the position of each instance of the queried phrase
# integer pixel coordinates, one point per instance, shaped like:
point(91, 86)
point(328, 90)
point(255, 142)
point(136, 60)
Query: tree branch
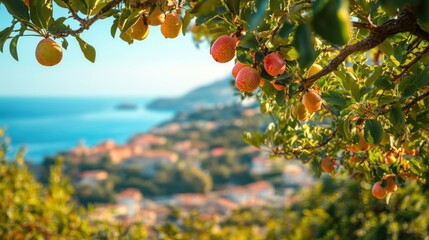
point(408, 66)
point(406, 22)
point(415, 100)
point(86, 23)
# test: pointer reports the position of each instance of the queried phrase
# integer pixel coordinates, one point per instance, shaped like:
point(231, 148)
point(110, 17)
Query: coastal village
point(183, 144)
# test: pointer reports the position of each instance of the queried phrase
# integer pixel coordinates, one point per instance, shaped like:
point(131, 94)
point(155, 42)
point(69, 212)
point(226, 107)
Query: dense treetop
point(346, 82)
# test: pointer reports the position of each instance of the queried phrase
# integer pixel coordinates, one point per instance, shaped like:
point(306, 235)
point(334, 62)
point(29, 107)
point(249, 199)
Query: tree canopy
point(345, 81)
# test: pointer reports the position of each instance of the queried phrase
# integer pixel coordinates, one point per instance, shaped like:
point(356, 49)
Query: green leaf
point(244, 57)
point(285, 29)
point(373, 131)
point(386, 48)
point(233, 6)
point(114, 28)
point(17, 8)
point(41, 13)
point(384, 83)
point(422, 78)
point(204, 7)
point(248, 41)
point(12, 47)
point(185, 22)
point(378, 71)
point(335, 98)
point(397, 119)
point(58, 26)
point(280, 98)
point(65, 44)
point(88, 50)
point(331, 20)
point(349, 82)
point(131, 20)
point(4, 35)
point(258, 16)
point(409, 91)
point(304, 45)
point(94, 6)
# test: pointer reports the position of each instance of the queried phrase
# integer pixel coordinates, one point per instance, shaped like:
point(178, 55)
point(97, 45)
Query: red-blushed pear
point(223, 49)
point(248, 79)
point(312, 101)
point(378, 191)
point(300, 112)
point(274, 64)
point(156, 17)
point(328, 164)
point(391, 185)
point(139, 31)
point(48, 52)
point(237, 67)
point(172, 26)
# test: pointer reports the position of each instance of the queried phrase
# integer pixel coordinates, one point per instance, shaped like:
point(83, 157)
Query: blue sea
point(46, 126)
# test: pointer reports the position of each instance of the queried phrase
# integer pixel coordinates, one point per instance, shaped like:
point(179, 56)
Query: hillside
point(208, 96)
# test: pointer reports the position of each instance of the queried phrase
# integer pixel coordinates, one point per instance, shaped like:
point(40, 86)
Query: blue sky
point(153, 67)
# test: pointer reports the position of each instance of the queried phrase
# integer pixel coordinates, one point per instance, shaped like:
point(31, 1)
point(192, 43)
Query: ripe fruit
point(312, 101)
point(391, 184)
point(315, 68)
point(362, 145)
point(353, 159)
point(278, 86)
point(390, 159)
point(172, 26)
point(300, 112)
point(247, 79)
point(378, 191)
point(139, 31)
point(223, 49)
point(27, 3)
point(237, 67)
point(328, 164)
point(156, 17)
point(413, 176)
point(274, 64)
point(261, 82)
point(48, 52)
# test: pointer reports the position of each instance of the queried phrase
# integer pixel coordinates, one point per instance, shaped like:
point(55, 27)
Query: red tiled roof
point(129, 192)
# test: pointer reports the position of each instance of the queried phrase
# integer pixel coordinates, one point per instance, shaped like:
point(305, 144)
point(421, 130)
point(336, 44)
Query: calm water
point(48, 125)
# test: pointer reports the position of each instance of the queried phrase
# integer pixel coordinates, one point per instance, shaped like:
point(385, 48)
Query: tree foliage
point(31, 210)
point(373, 76)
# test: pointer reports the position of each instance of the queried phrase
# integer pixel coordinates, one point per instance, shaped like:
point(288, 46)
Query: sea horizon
point(48, 125)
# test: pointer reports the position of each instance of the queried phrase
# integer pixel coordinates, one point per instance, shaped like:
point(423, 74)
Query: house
point(205, 205)
point(146, 141)
point(107, 212)
point(261, 189)
point(119, 154)
point(92, 178)
point(132, 199)
point(148, 161)
point(257, 193)
point(217, 152)
point(103, 146)
point(260, 165)
point(295, 175)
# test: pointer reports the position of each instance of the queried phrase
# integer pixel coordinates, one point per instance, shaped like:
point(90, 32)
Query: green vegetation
point(333, 209)
point(359, 67)
point(33, 211)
